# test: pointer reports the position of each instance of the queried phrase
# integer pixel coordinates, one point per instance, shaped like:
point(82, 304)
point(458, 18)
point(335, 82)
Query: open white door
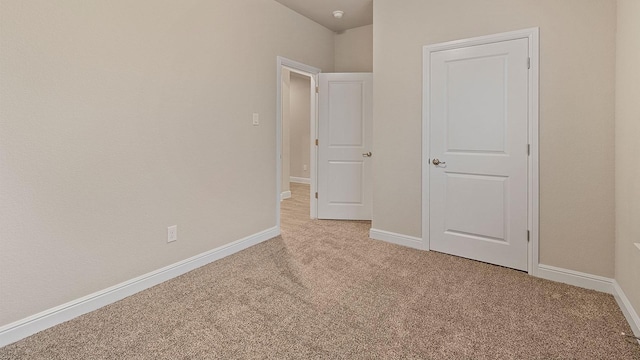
point(344, 146)
point(478, 166)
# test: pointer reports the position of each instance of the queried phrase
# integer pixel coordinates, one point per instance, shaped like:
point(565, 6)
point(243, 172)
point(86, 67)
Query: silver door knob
point(367, 154)
point(437, 162)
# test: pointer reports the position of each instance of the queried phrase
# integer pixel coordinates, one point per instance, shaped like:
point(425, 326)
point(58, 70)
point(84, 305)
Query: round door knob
point(437, 162)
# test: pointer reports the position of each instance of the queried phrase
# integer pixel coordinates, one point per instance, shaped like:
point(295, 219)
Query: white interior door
point(345, 115)
point(478, 114)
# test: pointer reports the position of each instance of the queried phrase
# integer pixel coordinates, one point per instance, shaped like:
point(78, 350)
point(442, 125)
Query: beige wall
point(120, 118)
point(354, 50)
point(577, 65)
point(300, 125)
point(286, 129)
point(628, 150)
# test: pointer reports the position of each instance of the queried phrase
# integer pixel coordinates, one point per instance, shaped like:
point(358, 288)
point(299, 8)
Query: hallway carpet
point(324, 290)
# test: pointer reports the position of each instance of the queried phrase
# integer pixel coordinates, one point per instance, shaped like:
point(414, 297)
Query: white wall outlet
point(256, 119)
point(172, 233)
point(304, 167)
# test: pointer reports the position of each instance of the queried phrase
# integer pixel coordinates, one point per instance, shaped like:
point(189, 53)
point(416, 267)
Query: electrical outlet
point(172, 233)
point(304, 167)
point(256, 119)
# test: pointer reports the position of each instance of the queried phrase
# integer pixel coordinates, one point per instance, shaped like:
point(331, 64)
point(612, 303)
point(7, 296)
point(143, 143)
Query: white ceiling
point(356, 12)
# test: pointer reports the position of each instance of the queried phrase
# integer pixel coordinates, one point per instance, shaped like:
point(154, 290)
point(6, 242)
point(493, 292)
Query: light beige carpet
point(324, 290)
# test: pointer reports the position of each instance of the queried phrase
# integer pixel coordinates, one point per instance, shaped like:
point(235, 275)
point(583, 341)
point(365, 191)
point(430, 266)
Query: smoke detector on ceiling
point(338, 14)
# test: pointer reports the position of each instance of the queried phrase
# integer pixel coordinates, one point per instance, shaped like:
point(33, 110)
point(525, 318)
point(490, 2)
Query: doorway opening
point(296, 128)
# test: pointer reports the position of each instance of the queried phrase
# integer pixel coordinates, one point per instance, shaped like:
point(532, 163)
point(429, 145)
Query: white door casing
point(345, 113)
point(477, 105)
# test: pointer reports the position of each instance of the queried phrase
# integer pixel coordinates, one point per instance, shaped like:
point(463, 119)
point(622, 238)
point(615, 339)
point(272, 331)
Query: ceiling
point(356, 12)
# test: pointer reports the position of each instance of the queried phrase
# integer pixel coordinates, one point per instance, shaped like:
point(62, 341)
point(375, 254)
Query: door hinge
point(316, 142)
point(528, 149)
point(528, 236)
point(528, 63)
point(316, 195)
point(317, 89)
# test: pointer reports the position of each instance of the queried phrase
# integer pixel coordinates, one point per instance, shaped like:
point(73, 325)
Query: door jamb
point(532, 34)
point(312, 72)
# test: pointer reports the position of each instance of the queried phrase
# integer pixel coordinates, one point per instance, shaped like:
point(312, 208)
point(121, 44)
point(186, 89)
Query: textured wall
point(120, 118)
point(354, 50)
point(628, 150)
point(577, 80)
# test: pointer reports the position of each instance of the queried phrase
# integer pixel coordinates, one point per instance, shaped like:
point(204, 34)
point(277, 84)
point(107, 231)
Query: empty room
point(339, 179)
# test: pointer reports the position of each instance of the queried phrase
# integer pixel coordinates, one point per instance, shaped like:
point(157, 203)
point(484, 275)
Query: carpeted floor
point(324, 290)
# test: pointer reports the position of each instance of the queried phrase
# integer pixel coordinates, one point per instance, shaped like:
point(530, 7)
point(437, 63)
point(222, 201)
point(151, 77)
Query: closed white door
point(478, 152)
point(345, 115)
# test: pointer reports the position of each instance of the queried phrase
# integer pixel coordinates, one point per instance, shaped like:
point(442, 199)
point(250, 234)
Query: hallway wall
point(354, 50)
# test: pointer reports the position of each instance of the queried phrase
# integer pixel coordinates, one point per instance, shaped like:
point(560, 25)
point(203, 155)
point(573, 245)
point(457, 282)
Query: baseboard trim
point(594, 282)
point(576, 278)
point(28, 326)
point(398, 239)
point(627, 309)
point(285, 195)
point(299, 180)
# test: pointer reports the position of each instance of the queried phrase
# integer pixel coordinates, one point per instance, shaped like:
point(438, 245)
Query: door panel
point(475, 89)
point(344, 135)
point(346, 189)
point(346, 116)
point(475, 205)
point(478, 131)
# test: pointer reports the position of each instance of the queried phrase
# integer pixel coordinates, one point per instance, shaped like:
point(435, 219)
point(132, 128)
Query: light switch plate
point(172, 233)
point(256, 119)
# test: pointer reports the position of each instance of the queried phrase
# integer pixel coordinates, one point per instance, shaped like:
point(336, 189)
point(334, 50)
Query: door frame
point(312, 72)
point(532, 34)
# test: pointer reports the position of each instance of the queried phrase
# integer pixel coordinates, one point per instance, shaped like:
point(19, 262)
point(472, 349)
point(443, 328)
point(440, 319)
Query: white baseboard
point(28, 326)
point(627, 309)
point(594, 282)
point(398, 239)
point(576, 278)
point(299, 180)
point(285, 195)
